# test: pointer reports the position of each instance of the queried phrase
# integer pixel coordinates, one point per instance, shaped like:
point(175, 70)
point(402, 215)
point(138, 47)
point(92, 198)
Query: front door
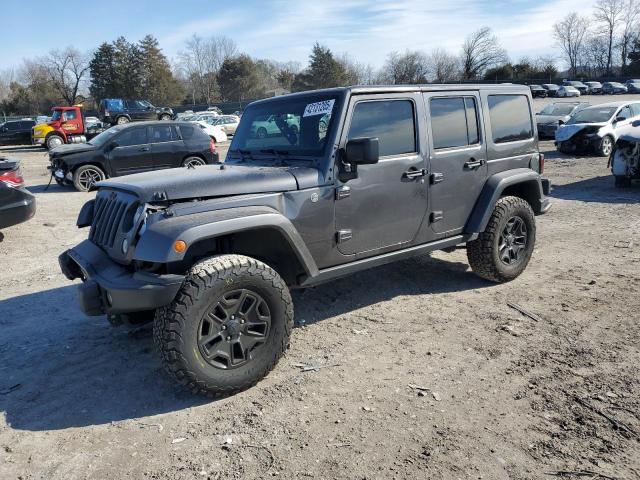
point(458, 158)
point(132, 153)
point(385, 205)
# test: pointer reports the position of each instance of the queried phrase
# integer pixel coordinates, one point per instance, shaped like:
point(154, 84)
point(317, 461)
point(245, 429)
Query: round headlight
point(125, 246)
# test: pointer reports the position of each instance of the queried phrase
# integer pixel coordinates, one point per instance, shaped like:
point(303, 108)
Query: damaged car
point(625, 159)
point(555, 114)
point(597, 128)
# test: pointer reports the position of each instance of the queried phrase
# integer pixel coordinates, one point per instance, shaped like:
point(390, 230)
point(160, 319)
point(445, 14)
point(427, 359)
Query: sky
point(284, 30)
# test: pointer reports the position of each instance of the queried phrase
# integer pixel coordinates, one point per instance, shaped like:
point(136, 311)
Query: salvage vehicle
point(595, 88)
point(596, 128)
point(116, 111)
point(131, 148)
point(551, 88)
point(67, 125)
point(538, 91)
point(581, 87)
point(625, 158)
point(16, 132)
point(613, 88)
point(556, 114)
point(17, 204)
point(633, 86)
point(212, 252)
point(568, 91)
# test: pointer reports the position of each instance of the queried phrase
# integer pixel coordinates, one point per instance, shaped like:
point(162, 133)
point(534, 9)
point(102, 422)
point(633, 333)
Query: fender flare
point(156, 244)
point(493, 190)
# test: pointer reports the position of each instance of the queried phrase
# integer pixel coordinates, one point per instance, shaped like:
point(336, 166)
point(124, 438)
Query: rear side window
point(454, 122)
point(132, 136)
point(510, 118)
point(186, 131)
point(635, 109)
point(392, 122)
point(160, 134)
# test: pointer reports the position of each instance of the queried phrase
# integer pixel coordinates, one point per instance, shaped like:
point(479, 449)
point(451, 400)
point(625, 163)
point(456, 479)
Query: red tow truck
point(67, 125)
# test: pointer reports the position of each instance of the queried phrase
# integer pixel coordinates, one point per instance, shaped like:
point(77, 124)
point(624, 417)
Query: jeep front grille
point(108, 212)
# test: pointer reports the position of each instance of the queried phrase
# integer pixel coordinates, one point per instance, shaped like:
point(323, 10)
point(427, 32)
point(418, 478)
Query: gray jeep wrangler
point(351, 179)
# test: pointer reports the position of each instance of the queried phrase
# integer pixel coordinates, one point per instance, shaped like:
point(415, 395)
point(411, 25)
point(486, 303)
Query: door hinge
point(436, 216)
point(344, 236)
point(343, 192)
point(436, 178)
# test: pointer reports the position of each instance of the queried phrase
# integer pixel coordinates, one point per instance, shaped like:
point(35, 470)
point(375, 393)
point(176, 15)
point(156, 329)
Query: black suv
point(369, 175)
point(132, 148)
point(16, 132)
point(118, 111)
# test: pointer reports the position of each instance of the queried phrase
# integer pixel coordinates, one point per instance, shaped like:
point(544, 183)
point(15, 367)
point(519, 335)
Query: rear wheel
point(606, 146)
point(54, 141)
point(504, 249)
point(122, 120)
point(165, 117)
point(227, 327)
point(86, 176)
point(193, 162)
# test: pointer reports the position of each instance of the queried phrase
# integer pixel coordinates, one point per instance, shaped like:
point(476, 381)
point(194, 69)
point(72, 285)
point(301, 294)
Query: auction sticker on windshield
point(318, 108)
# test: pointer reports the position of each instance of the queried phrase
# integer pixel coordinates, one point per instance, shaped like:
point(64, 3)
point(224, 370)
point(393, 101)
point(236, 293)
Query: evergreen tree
point(158, 83)
point(239, 79)
point(102, 70)
point(324, 71)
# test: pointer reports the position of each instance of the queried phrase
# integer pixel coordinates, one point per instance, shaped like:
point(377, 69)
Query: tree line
point(211, 70)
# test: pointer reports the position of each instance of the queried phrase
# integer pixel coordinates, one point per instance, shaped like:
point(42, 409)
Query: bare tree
point(67, 70)
point(444, 67)
point(357, 73)
point(630, 30)
point(481, 51)
point(608, 14)
point(595, 56)
point(6, 78)
point(406, 68)
point(570, 34)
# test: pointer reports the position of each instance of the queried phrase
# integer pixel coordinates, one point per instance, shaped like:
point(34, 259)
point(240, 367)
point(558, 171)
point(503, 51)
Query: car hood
point(565, 132)
point(544, 119)
point(63, 150)
point(214, 181)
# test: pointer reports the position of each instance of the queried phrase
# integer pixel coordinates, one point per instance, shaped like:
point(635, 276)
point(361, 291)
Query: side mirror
point(362, 151)
point(113, 145)
point(561, 122)
point(620, 118)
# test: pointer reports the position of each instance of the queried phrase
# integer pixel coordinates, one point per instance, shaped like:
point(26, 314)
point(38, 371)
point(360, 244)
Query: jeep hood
point(213, 181)
point(565, 132)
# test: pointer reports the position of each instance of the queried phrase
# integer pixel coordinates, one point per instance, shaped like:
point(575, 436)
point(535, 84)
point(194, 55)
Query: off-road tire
point(83, 171)
point(176, 326)
point(483, 253)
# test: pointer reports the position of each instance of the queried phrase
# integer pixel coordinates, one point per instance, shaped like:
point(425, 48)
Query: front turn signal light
point(179, 246)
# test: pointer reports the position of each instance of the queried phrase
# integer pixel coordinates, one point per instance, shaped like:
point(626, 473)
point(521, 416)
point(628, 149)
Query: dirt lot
point(424, 371)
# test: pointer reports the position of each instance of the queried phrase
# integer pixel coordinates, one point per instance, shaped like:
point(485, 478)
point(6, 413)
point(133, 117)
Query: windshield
point(593, 115)
point(104, 137)
point(289, 126)
point(558, 109)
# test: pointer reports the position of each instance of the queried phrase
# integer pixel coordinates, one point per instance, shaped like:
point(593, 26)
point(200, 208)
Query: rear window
point(510, 117)
point(454, 122)
point(392, 122)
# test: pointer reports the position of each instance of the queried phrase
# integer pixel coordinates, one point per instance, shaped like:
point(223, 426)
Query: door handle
point(473, 163)
point(415, 173)
point(144, 149)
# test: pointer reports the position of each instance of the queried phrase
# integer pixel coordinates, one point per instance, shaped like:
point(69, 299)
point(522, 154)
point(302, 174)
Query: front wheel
point(86, 177)
point(606, 146)
point(227, 327)
point(54, 141)
point(165, 117)
point(504, 249)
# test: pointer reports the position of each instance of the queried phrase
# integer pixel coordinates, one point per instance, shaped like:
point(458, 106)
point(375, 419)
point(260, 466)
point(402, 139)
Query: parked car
point(16, 132)
point(568, 91)
point(625, 158)
point(228, 123)
point(581, 87)
point(17, 204)
point(613, 88)
point(551, 88)
point(214, 251)
point(633, 86)
point(538, 91)
point(595, 88)
point(555, 114)
point(131, 148)
point(118, 111)
point(215, 109)
point(272, 125)
point(214, 131)
point(596, 128)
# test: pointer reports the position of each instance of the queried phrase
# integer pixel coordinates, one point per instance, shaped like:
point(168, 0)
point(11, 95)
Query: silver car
point(228, 123)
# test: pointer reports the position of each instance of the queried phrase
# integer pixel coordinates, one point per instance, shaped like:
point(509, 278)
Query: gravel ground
point(423, 370)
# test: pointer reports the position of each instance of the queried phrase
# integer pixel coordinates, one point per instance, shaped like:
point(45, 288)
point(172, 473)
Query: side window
point(392, 122)
point(635, 109)
point(510, 118)
point(69, 115)
point(186, 131)
point(160, 134)
point(12, 126)
point(132, 136)
point(625, 112)
point(454, 122)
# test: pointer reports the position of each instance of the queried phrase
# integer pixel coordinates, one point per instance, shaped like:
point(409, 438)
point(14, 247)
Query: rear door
point(166, 148)
point(458, 158)
point(132, 153)
point(385, 205)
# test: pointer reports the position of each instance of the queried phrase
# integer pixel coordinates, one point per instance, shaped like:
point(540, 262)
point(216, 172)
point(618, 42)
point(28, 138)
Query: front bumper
point(110, 288)
point(579, 143)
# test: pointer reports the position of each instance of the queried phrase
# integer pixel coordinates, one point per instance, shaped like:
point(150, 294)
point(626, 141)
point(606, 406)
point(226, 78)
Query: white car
point(597, 127)
point(214, 131)
point(568, 91)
